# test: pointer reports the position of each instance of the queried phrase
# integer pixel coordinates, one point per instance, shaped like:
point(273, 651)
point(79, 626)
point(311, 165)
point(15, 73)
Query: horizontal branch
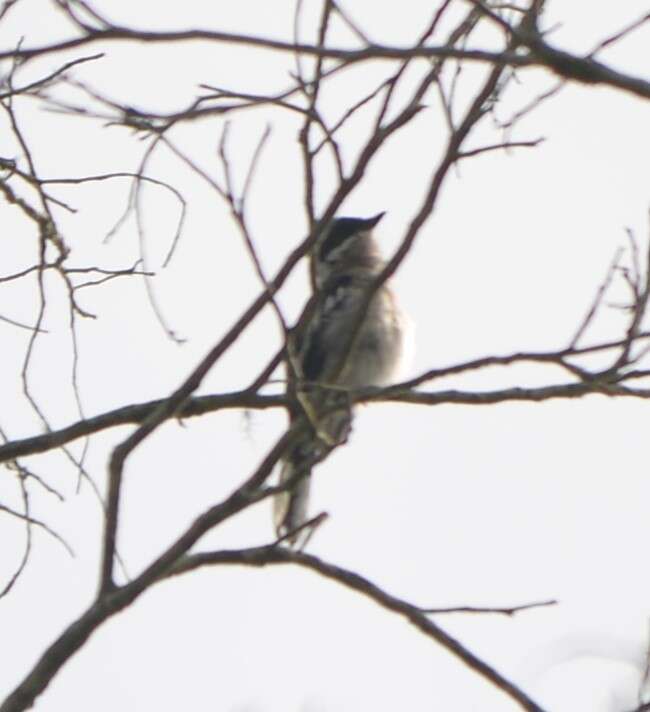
point(346, 55)
point(554, 357)
point(585, 70)
point(503, 611)
point(534, 395)
point(134, 415)
point(201, 405)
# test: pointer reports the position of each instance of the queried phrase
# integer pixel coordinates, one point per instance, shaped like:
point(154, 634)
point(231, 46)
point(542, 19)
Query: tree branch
point(268, 555)
point(584, 70)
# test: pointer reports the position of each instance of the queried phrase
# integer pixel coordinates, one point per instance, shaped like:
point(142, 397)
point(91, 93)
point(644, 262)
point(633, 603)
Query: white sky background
point(454, 505)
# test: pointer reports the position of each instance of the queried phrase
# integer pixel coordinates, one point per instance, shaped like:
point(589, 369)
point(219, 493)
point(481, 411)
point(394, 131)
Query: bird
point(352, 334)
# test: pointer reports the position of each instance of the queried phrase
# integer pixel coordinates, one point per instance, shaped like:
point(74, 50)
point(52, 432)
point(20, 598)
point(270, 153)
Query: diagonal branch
point(177, 399)
point(267, 555)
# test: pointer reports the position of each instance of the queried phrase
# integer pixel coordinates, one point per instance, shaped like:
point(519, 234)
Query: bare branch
point(263, 556)
point(498, 146)
point(620, 34)
point(39, 83)
point(591, 313)
point(249, 399)
point(20, 325)
point(133, 414)
point(583, 70)
point(525, 46)
point(28, 519)
point(509, 611)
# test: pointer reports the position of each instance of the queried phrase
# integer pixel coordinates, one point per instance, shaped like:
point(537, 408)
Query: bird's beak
point(369, 223)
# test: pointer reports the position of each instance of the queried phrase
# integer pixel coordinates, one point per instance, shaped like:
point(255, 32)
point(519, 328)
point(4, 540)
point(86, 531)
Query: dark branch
point(266, 555)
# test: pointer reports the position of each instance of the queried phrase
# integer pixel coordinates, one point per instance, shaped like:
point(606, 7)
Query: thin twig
point(508, 611)
point(15, 91)
point(498, 146)
point(28, 519)
point(595, 304)
point(620, 34)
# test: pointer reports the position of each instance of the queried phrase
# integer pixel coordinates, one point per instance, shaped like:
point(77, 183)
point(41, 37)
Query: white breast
point(381, 351)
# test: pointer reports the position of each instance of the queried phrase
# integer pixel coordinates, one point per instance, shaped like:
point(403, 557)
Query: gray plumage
point(336, 348)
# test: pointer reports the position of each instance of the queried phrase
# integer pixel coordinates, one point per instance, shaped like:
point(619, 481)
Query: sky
point(446, 506)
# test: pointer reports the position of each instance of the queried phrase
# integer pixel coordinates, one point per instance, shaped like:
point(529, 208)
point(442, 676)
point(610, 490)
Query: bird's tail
point(290, 507)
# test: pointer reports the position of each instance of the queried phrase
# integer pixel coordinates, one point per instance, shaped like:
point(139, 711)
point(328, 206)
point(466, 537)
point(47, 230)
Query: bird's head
point(346, 244)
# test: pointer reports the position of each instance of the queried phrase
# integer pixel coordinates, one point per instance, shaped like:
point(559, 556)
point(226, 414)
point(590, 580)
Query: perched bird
point(341, 342)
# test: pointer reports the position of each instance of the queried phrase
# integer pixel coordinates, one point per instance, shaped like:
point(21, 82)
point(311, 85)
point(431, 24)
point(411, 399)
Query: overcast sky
point(452, 505)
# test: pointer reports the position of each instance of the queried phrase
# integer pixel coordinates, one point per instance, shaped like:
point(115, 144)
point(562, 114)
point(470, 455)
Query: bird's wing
point(333, 315)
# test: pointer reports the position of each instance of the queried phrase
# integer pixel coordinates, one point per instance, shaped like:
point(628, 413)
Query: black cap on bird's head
point(341, 229)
